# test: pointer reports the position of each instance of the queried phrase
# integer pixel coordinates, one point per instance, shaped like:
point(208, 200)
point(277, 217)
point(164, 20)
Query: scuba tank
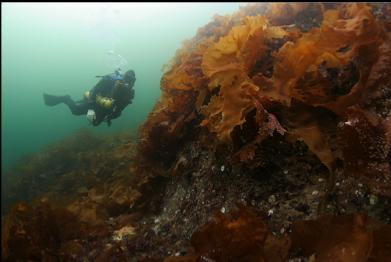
point(104, 101)
point(87, 95)
point(100, 100)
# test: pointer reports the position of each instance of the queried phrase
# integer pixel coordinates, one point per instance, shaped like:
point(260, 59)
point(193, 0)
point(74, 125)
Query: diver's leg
point(79, 108)
point(51, 100)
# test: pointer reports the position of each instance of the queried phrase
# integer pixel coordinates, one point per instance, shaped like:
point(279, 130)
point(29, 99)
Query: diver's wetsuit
point(110, 86)
point(82, 107)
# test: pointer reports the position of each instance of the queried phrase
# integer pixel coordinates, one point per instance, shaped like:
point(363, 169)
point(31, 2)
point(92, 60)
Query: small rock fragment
point(272, 199)
point(373, 200)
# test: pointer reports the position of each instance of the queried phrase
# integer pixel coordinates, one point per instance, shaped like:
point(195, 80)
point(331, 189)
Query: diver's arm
point(117, 110)
point(122, 97)
point(131, 95)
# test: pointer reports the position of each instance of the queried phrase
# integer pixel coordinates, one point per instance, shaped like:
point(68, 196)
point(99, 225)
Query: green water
point(59, 48)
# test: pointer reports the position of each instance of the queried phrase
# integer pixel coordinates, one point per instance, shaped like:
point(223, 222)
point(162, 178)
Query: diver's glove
point(91, 116)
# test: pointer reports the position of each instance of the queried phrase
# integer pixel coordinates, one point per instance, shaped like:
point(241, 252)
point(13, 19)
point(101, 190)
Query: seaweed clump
point(325, 84)
point(68, 169)
point(69, 200)
point(42, 233)
point(241, 235)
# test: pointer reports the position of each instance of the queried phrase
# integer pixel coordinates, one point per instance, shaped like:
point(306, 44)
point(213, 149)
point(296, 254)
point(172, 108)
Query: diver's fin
point(51, 100)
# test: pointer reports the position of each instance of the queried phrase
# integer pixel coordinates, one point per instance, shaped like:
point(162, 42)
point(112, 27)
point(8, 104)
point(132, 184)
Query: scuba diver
point(104, 102)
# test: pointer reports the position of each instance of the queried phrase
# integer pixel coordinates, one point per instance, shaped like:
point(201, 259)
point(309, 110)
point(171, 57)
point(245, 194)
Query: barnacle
point(366, 149)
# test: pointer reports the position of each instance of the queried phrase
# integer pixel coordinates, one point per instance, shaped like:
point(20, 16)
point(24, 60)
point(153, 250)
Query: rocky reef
point(271, 142)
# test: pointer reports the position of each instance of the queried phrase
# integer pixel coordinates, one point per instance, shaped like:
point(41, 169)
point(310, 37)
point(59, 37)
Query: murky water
point(59, 48)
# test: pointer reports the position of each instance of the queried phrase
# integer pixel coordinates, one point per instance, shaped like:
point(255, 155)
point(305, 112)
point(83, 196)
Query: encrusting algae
point(279, 115)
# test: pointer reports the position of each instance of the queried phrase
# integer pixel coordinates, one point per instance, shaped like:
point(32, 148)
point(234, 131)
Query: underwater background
point(59, 48)
point(262, 133)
